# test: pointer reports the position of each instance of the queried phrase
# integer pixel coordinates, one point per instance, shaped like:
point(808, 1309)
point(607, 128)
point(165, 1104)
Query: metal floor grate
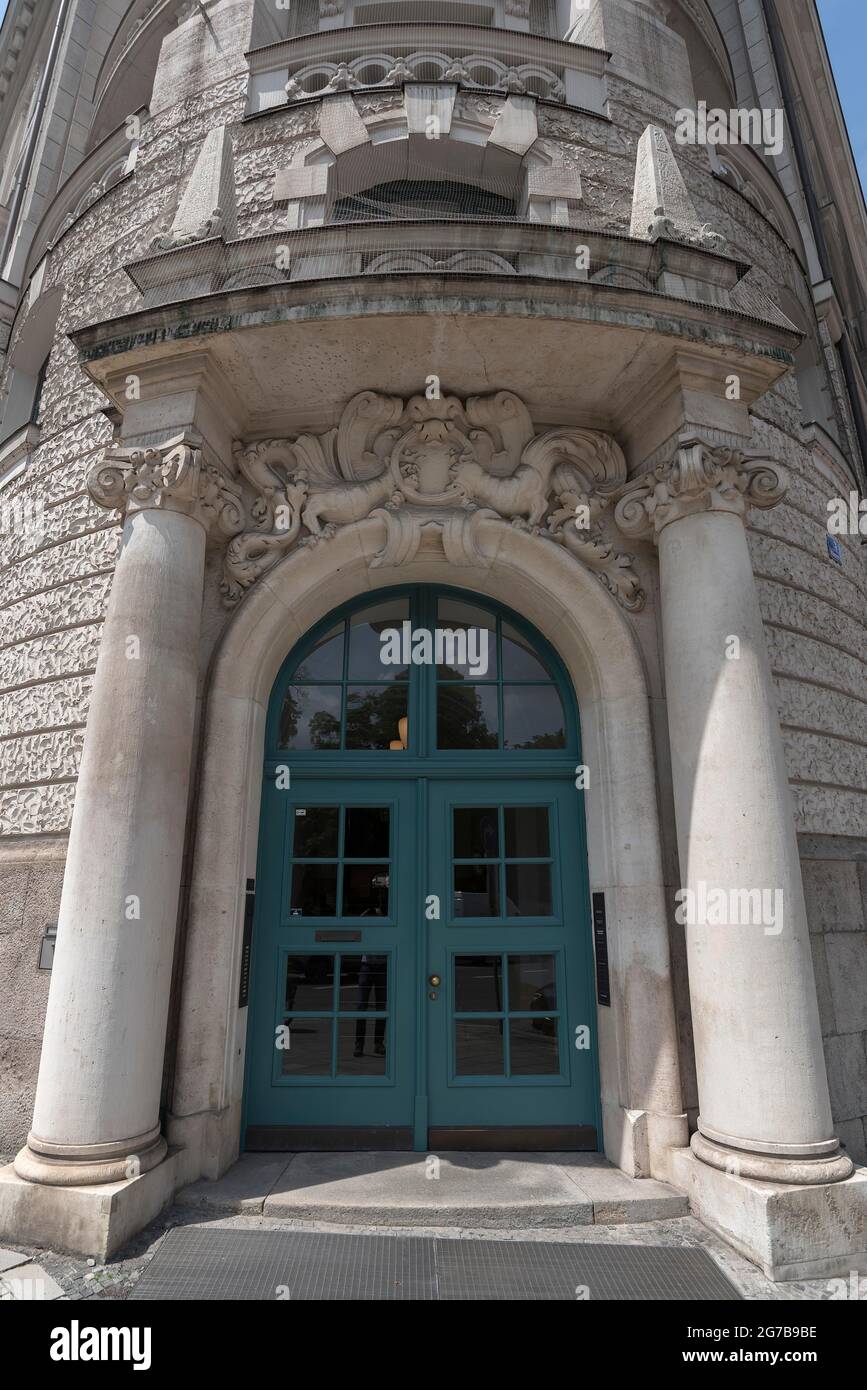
point(318, 1266)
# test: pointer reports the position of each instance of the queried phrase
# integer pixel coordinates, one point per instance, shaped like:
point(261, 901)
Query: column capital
point(701, 477)
point(174, 476)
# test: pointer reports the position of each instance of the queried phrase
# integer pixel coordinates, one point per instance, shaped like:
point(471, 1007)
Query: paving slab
point(10, 1258)
point(619, 1198)
point(242, 1189)
point(483, 1190)
point(29, 1283)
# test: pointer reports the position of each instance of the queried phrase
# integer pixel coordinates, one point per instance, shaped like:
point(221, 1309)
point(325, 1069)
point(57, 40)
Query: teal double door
point(421, 973)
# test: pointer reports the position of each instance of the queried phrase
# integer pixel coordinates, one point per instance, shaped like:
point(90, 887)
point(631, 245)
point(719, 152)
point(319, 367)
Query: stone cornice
point(174, 476)
point(699, 478)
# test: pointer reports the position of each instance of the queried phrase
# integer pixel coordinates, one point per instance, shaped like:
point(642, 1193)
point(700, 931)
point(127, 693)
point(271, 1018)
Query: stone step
point(472, 1190)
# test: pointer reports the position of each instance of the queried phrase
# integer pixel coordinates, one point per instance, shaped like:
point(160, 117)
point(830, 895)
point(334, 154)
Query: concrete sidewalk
point(475, 1190)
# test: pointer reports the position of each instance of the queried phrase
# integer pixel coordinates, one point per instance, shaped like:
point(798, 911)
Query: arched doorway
point(421, 974)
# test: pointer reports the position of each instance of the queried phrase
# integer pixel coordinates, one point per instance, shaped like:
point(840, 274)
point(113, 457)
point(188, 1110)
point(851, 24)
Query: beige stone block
point(833, 897)
point(847, 970)
point(813, 1232)
point(307, 181)
point(92, 1221)
point(853, 1137)
point(553, 181)
point(823, 985)
point(340, 125)
point(846, 1061)
point(426, 100)
point(515, 127)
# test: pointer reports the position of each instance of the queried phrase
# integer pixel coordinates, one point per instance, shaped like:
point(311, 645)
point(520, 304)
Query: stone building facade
point(305, 305)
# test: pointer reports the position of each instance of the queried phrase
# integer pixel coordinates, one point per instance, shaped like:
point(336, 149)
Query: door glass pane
point(528, 890)
point(533, 1049)
point(325, 662)
point(309, 1050)
point(373, 715)
point(310, 717)
point(361, 1047)
point(477, 891)
point(366, 832)
point(478, 1047)
point(533, 717)
point(520, 662)
point(467, 716)
point(365, 890)
point(471, 650)
point(314, 890)
point(478, 984)
point(476, 832)
point(309, 983)
point(368, 650)
point(364, 984)
point(316, 830)
point(527, 832)
point(532, 984)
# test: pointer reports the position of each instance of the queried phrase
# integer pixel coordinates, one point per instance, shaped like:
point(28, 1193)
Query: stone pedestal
point(96, 1117)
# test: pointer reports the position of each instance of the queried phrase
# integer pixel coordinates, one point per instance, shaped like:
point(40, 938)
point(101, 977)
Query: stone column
point(96, 1117)
point(763, 1091)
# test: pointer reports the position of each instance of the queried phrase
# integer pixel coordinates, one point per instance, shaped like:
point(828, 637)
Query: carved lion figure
point(346, 502)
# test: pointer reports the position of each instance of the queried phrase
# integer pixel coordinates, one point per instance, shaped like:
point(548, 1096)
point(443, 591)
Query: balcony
point(419, 246)
point(379, 56)
point(300, 320)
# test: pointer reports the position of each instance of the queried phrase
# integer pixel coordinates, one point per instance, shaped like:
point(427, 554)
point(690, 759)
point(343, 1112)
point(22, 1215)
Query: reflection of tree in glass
point(316, 832)
point(323, 727)
point(551, 740)
point(289, 716)
point(461, 721)
point(372, 715)
point(324, 730)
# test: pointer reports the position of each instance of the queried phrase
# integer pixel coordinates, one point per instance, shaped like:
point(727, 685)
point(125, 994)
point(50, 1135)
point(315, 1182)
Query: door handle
point(435, 981)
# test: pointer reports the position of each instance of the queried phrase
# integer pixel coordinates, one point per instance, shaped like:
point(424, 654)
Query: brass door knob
point(435, 980)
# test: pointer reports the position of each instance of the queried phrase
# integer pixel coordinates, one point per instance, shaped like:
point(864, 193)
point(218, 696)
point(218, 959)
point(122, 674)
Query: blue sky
point(845, 25)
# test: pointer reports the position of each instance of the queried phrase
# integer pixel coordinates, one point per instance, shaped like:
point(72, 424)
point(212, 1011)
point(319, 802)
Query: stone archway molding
point(643, 1121)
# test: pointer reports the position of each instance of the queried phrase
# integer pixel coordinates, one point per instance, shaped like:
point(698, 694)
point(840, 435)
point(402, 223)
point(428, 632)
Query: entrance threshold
point(504, 1191)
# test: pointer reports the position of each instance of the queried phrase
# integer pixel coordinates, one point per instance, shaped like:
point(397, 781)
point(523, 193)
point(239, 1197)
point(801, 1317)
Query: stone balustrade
point(475, 58)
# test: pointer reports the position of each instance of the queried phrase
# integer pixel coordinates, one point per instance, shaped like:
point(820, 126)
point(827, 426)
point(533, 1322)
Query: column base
point(815, 1231)
point(640, 1142)
point(79, 1165)
point(801, 1171)
point(93, 1221)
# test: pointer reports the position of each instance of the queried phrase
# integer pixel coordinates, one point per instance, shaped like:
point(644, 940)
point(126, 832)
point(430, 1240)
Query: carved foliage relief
point(431, 470)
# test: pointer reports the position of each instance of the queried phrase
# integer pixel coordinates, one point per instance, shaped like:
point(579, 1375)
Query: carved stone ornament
point(174, 476)
point(700, 478)
point(210, 226)
point(431, 470)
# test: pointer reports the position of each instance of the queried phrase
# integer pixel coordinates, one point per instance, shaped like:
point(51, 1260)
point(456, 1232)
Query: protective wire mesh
point(426, 112)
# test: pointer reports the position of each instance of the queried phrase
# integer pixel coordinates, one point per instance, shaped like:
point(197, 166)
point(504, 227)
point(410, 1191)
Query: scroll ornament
point(699, 478)
point(173, 476)
point(432, 470)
